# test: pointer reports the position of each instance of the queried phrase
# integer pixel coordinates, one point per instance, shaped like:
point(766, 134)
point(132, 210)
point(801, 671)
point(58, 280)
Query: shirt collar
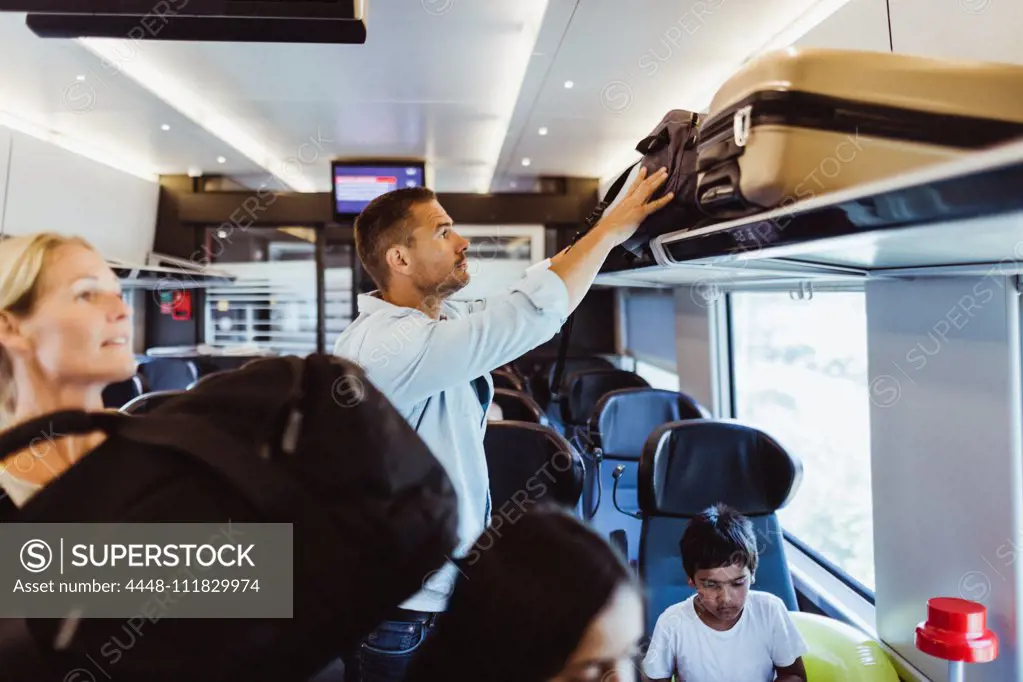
point(373, 303)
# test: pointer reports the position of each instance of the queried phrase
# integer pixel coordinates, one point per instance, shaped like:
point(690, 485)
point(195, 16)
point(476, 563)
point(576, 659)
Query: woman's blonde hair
point(21, 267)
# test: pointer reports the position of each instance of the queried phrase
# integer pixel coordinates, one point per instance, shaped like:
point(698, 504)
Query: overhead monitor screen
point(355, 185)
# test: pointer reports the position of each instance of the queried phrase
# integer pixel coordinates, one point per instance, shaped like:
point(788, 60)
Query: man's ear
point(397, 258)
point(691, 583)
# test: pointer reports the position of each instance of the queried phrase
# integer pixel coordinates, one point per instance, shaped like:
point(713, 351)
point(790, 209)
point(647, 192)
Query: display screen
point(357, 185)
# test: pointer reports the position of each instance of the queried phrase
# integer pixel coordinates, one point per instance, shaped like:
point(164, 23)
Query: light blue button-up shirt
point(437, 374)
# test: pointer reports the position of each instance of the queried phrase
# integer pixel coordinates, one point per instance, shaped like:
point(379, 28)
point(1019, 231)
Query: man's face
point(437, 255)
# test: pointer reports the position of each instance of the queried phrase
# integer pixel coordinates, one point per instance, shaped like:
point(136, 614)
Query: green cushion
point(840, 652)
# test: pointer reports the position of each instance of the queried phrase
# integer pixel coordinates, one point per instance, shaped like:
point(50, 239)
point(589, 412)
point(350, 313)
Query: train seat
point(583, 390)
point(169, 374)
point(530, 463)
point(517, 406)
point(504, 378)
point(541, 380)
point(618, 428)
point(691, 465)
point(147, 402)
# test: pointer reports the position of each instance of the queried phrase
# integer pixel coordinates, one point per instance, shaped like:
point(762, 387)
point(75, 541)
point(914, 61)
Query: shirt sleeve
point(414, 357)
point(786, 643)
point(659, 661)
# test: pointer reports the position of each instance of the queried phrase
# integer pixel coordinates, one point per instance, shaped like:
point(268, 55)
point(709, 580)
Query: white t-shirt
point(764, 637)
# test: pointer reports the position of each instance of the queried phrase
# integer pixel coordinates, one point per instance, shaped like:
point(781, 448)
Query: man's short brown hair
point(384, 223)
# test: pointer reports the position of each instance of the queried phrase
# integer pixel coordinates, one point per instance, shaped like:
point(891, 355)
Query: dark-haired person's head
point(543, 599)
point(405, 239)
point(719, 555)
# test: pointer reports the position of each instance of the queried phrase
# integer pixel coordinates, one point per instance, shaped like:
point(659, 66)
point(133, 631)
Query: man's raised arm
point(578, 265)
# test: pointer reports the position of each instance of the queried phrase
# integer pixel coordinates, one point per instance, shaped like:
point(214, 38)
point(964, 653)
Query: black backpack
point(672, 145)
point(304, 441)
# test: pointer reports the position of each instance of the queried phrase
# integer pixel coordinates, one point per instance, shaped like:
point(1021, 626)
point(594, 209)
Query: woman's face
point(79, 331)
point(608, 649)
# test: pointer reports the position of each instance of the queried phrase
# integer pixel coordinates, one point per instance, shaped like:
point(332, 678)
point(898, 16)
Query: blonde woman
point(65, 334)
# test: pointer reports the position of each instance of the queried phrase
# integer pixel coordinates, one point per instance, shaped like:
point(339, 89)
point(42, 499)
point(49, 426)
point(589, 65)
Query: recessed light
point(79, 78)
point(569, 85)
point(543, 130)
point(221, 159)
point(165, 127)
point(526, 162)
point(222, 234)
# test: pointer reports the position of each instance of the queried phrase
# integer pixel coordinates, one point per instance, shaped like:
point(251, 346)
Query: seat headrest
point(534, 459)
point(583, 390)
point(624, 419)
point(517, 406)
point(688, 466)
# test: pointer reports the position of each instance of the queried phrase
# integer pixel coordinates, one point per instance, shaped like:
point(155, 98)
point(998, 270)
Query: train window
point(656, 376)
point(799, 372)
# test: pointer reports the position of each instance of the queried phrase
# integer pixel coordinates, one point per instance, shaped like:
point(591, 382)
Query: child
point(724, 632)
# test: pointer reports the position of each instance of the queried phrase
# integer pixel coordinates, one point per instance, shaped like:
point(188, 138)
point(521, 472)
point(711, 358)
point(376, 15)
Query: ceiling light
point(543, 130)
point(79, 78)
point(194, 172)
point(165, 127)
point(569, 85)
point(507, 76)
point(106, 156)
point(178, 91)
point(526, 162)
point(221, 159)
point(514, 185)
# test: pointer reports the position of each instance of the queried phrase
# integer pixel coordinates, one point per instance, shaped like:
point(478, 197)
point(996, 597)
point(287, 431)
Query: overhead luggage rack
point(966, 213)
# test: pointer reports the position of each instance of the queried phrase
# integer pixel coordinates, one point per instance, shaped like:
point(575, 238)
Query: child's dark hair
point(718, 537)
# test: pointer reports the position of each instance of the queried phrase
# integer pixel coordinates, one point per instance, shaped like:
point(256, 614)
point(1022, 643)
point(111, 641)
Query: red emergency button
point(956, 630)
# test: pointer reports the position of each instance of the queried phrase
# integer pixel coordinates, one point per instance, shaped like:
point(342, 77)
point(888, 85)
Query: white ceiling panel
point(465, 84)
point(985, 30)
point(630, 67)
point(435, 79)
point(39, 84)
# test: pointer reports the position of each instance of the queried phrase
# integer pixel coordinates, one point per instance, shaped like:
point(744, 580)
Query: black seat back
point(583, 390)
point(618, 429)
point(530, 463)
point(691, 465)
point(519, 407)
point(542, 375)
point(506, 379)
point(169, 374)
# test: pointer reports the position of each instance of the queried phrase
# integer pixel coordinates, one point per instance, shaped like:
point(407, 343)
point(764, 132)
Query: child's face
point(723, 590)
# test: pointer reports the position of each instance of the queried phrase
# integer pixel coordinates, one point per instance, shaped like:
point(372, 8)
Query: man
point(432, 358)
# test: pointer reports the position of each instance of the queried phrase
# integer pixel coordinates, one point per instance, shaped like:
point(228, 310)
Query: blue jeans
point(385, 654)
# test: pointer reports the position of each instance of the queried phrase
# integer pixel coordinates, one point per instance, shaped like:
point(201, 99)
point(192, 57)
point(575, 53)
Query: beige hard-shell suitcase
point(800, 123)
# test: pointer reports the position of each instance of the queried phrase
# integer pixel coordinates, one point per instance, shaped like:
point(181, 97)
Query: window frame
point(726, 387)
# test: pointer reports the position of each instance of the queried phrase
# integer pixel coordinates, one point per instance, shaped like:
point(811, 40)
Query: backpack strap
point(566, 330)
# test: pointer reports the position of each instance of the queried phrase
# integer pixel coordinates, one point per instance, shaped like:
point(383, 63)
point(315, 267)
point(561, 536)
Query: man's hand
point(623, 221)
point(578, 265)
